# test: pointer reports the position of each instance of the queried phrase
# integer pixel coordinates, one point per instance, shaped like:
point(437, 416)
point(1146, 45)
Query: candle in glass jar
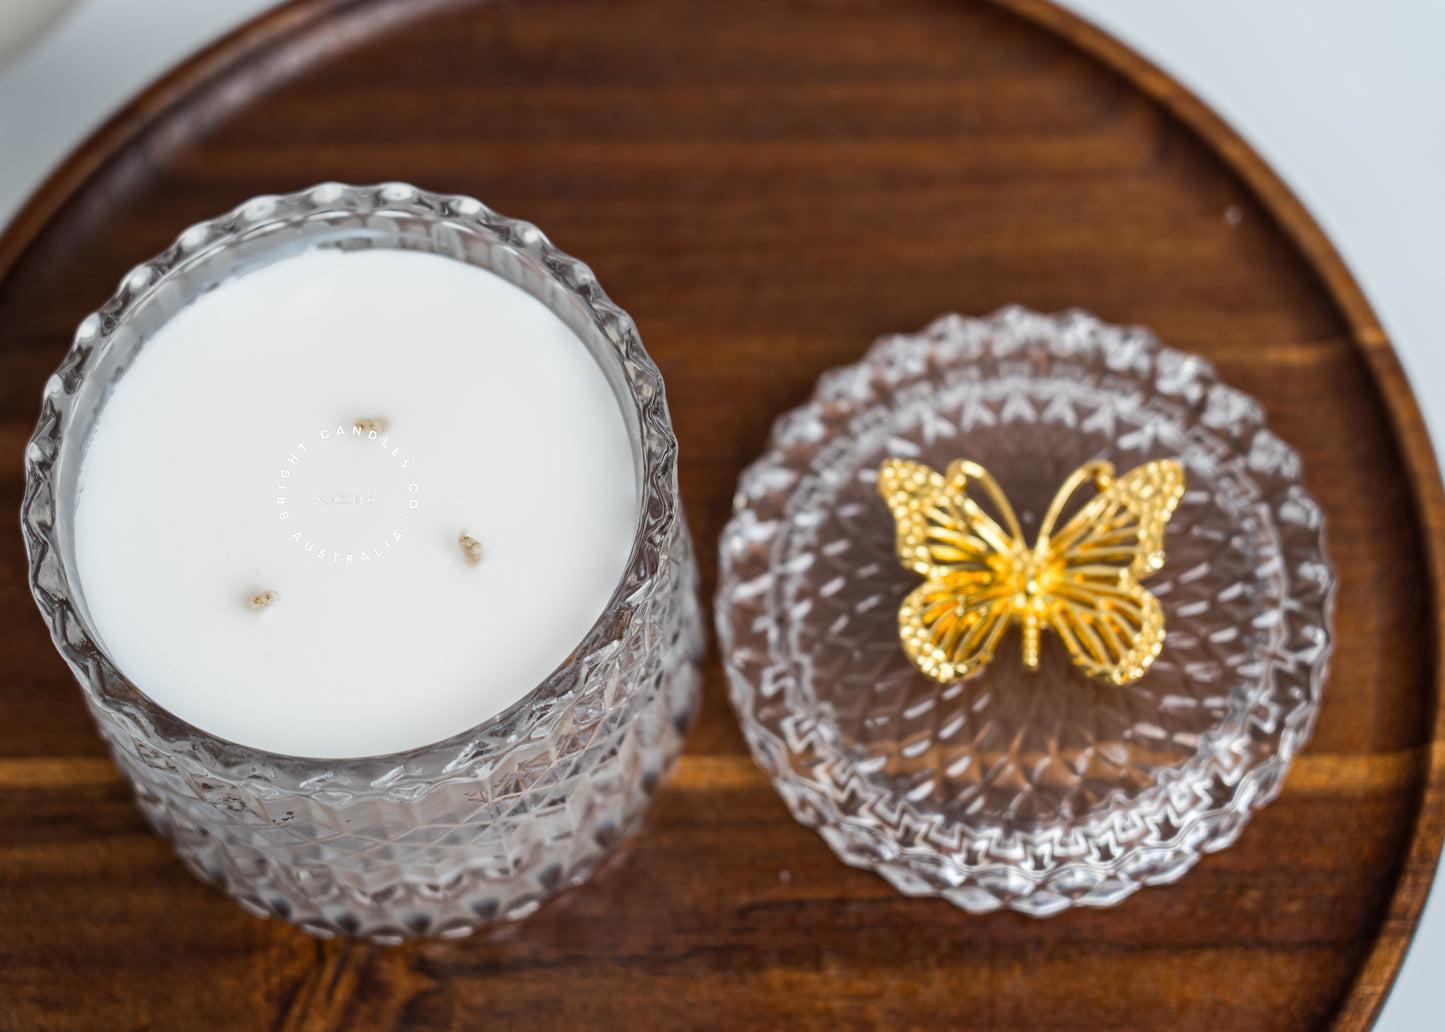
point(352, 503)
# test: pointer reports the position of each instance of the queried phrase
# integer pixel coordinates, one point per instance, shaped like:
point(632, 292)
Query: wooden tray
point(765, 185)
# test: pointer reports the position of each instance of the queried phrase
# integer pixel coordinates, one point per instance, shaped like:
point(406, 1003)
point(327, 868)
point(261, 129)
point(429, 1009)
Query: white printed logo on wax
point(346, 495)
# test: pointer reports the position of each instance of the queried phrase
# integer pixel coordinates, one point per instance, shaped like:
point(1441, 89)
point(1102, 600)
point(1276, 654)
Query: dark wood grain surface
point(765, 185)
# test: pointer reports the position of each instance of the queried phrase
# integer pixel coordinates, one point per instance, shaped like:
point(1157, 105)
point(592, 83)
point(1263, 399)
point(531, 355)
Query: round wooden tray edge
point(92, 153)
point(1359, 1008)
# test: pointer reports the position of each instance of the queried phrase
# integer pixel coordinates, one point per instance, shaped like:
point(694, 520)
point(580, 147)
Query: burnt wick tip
point(262, 599)
point(471, 547)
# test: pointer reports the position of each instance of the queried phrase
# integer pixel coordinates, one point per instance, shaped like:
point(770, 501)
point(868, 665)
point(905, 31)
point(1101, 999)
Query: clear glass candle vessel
point(435, 840)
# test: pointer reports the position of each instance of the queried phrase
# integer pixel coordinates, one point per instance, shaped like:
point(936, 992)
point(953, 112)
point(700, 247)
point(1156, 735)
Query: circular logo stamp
point(345, 495)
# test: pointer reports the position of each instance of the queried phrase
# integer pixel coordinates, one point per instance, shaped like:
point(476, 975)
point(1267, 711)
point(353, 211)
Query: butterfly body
point(1080, 580)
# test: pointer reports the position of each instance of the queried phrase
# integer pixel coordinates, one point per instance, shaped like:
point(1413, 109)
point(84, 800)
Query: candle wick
point(471, 547)
point(372, 424)
point(262, 599)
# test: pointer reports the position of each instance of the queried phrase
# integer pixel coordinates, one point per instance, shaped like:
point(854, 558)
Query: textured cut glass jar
point(1033, 791)
point(436, 840)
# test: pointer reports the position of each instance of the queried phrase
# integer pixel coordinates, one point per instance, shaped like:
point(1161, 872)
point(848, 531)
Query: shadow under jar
point(439, 834)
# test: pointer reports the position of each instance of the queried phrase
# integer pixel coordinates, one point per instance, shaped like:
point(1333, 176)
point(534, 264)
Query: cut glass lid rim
point(1172, 838)
point(643, 582)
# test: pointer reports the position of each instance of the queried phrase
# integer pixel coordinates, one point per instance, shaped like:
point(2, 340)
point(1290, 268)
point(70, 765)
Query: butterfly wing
point(951, 630)
point(951, 624)
point(1125, 521)
point(1112, 626)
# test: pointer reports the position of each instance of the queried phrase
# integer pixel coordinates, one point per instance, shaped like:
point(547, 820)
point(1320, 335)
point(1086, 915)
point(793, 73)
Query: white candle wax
point(228, 462)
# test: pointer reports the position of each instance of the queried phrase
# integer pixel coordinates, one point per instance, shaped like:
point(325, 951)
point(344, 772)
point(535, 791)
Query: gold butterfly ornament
point(1081, 580)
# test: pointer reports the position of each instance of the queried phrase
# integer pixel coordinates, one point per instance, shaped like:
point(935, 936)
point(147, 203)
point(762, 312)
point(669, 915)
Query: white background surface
point(1345, 98)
